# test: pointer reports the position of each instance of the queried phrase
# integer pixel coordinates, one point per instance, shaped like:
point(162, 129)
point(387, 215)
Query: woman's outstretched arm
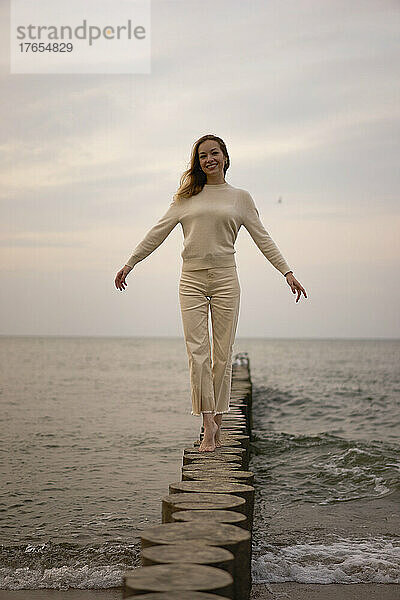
point(252, 222)
point(156, 235)
point(154, 238)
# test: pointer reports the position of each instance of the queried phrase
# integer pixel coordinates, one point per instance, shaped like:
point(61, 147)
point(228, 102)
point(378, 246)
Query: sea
point(92, 432)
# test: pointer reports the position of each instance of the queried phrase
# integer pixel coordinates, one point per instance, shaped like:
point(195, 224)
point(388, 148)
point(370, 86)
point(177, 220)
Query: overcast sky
point(306, 96)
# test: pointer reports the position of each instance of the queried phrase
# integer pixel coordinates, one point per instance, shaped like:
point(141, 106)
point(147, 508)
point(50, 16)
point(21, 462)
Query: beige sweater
point(210, 222)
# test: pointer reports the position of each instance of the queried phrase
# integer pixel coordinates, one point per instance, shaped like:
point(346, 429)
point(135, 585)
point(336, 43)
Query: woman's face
point(211, 158)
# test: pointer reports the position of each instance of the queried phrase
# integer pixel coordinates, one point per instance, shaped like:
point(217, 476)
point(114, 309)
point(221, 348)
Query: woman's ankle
point(208, 420)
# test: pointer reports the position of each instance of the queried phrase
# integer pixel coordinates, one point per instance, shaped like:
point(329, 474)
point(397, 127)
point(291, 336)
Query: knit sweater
point(210, 222)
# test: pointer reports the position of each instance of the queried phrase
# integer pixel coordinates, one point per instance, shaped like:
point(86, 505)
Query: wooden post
point(213, 464)
point(202, 456)
point(173, 578)
point(222, 451)
point(218, 487)
point(246, 477)
point(175, 596)
point(235, 539)
point(192, 552)
point(215, 516)
point(201, 501)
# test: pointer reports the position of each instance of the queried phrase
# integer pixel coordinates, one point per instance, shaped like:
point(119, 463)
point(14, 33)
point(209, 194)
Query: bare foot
point(208, 441)
point(218, 421)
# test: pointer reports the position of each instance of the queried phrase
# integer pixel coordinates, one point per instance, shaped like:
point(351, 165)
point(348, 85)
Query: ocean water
point(92, 433)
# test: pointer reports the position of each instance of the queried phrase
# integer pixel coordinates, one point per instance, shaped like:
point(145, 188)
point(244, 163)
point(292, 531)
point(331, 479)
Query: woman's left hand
point(295, 286)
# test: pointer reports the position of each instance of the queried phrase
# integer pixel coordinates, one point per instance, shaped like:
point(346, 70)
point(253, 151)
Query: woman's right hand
point(120, 282)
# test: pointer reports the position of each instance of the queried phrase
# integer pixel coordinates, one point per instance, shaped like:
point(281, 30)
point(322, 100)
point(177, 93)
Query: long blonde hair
point(193, 179)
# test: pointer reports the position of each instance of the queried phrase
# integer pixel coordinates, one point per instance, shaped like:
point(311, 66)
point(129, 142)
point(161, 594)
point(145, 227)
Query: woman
point(211, 212)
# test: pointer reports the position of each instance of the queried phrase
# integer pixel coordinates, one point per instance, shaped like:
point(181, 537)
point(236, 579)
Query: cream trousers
point(216, 289)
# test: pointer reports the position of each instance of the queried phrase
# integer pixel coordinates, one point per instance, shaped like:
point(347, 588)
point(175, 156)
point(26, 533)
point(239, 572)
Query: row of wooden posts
point(202, 549)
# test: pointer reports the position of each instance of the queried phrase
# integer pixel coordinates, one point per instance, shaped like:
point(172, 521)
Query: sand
point(274, 591)
point(307, 591)
point(45, 594)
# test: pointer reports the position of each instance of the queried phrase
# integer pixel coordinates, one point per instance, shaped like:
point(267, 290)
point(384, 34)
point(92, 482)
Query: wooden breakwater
point(202, 548)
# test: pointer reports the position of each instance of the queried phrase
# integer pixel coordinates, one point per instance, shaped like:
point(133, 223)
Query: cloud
point(305, 97)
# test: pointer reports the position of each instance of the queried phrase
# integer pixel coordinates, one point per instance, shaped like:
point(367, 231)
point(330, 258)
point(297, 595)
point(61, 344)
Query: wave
point(343, 561)
point(64, 566)
point(323, 468)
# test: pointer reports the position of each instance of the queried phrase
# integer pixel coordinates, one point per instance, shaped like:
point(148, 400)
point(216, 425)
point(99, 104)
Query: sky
point(305, 95)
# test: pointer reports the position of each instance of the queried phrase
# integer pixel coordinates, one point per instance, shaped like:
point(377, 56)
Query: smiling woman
point(211, 212)
point(212, 160)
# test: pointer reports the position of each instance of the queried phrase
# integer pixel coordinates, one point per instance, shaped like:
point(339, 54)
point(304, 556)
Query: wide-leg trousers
point(215, 290)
